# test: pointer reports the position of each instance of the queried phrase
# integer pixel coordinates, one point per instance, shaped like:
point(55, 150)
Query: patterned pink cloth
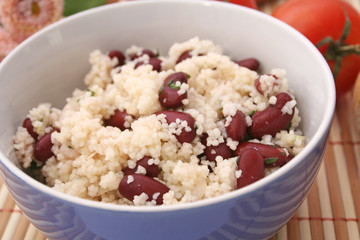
point(22, 18)
point(6, 44)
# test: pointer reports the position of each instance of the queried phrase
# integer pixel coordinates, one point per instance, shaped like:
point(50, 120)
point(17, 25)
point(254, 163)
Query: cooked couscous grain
point(89, 152)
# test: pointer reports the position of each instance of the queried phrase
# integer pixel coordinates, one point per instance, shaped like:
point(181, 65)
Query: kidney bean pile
point(252, 157)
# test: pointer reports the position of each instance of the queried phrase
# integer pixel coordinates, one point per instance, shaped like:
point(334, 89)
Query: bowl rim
point(231, 196)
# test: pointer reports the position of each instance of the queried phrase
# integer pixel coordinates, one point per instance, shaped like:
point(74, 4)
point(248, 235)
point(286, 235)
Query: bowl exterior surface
point(256, 215)
point(31, 74)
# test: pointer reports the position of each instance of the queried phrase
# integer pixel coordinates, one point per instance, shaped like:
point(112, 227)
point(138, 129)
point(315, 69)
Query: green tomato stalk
point(339, 49)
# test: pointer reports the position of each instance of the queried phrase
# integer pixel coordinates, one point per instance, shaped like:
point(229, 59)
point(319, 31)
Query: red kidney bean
point(271, 120)
point(186, 55)
point(236, 130)
point(222, 150)
point(168, 94)
point(258, 83)
point(258, 86)
point(250, 63)
point(203, 139)
point(118, 120)
point(183, 56)
point(251, 163)
point(119, 55)
point(138, 64)
point(273, 155)
point(184, 136)
point(148, 52)
point(154, 62)
point(151, 170)
point(142, 184)
point(42, 150)
point(30, 128)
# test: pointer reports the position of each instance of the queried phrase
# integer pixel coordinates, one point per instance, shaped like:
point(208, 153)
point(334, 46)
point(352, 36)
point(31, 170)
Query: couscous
point(153, 130)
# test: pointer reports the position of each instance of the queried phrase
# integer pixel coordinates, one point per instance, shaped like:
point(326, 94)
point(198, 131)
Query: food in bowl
point(153, 130)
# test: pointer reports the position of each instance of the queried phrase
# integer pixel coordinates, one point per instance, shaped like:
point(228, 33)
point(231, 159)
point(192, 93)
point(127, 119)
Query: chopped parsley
point(157, 54)
point(34, 165)
point(70, 147)
point(188, 75)
point(251, 113)
point(237, 160)
point(289, 126)
point(161, 89)
point(91, 91)
point(270, 160)
point(172, 85)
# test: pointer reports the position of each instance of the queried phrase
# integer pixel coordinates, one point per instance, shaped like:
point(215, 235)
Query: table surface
point(330, 211)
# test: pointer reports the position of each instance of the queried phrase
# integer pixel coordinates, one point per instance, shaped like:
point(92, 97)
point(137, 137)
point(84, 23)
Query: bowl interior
point(50, 64)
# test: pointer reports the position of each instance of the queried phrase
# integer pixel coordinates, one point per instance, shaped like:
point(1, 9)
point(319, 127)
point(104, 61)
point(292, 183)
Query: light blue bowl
point(50, 64)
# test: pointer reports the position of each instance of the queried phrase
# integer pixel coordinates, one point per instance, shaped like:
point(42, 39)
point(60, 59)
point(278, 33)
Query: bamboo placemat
point(330, 211)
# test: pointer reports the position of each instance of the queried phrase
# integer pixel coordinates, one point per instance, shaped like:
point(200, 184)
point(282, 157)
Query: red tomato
point(318, 19)
point(246, 3)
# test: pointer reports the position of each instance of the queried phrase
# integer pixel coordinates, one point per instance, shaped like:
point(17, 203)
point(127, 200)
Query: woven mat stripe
point(293, 228)
point(325, 219)
point(12, 225)
point(344, 142)
point(39, 236)
point(325, 202)
point(334, 192)
point(315, 211)
point(348, 126)
point(31, 232)
point(282, 234)
point(304, 226)
point(344, 172)
point(22, 227)
point(4, 193)
point(5, 216)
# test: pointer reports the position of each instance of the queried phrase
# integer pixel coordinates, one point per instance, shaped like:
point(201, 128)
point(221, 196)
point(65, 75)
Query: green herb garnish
point(91, 91)
point(157, 54)
point(188, 75)
point(270, 160)
point(237, 160)
point(161, 89)
point(251, 113)
point(70, 147)
point(34, 165)
point(172, 85)
point(289, 126)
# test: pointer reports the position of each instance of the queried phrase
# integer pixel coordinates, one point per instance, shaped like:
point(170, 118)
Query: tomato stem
point(336, 50)
point(351, 49)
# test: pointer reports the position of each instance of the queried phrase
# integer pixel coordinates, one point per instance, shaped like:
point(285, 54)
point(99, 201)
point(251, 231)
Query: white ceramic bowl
point(50, 64)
